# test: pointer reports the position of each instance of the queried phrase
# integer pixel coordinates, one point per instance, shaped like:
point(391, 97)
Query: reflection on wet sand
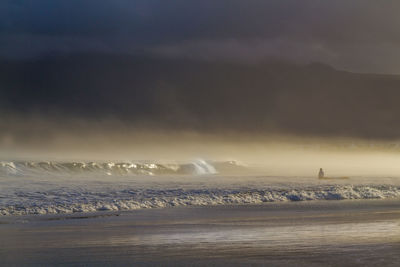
point(327, 232)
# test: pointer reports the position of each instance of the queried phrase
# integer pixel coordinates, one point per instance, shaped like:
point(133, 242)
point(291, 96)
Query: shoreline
point(302, 233)
point(273, 205)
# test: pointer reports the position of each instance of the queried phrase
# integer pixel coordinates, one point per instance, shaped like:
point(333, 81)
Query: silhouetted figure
point(321, 173)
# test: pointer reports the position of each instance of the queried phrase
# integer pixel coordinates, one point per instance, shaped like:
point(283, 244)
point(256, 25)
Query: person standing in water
point(321, 173)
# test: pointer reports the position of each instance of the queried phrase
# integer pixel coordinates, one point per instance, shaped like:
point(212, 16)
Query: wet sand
point(314, 233)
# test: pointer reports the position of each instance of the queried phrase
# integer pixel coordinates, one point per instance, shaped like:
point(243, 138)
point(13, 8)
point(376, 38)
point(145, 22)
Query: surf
point(195, 167)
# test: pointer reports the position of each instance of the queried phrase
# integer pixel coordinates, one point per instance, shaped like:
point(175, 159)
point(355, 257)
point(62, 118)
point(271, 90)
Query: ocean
point(194, 213)
point(45, 187)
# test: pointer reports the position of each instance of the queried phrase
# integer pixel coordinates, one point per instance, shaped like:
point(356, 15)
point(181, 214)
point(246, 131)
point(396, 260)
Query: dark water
point(316, 233)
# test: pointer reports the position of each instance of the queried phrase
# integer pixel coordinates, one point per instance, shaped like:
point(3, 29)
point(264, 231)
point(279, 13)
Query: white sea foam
point(197, 167)
point(66, 187)
point(62, 201)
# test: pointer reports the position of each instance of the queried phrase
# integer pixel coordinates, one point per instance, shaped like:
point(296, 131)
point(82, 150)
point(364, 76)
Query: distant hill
point(310, 99)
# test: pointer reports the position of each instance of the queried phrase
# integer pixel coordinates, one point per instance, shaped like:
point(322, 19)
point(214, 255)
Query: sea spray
point(61, 201)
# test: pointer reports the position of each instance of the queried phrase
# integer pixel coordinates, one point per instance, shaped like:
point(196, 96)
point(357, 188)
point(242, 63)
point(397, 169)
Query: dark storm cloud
point(210, 66)
point(267, 97)
point(333, 32)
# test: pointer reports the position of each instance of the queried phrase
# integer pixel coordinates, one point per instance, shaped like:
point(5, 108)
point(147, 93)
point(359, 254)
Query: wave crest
point(197, 167)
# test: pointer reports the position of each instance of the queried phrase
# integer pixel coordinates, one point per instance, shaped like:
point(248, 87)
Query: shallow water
point(335, 233)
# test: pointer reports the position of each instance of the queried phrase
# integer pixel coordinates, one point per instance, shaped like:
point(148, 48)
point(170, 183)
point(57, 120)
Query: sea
point(50, 187)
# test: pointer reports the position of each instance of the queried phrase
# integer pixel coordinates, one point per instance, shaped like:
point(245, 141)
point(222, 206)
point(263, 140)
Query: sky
point(302, 68)
point(356, 35)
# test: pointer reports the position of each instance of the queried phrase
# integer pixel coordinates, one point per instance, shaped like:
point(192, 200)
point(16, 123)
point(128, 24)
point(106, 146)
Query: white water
point(197, 167)
point(66, 187)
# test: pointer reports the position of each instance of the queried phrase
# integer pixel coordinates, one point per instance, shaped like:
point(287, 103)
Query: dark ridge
point(312, 99)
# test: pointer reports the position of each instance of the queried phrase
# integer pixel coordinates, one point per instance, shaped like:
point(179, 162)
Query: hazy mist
point(183, 79)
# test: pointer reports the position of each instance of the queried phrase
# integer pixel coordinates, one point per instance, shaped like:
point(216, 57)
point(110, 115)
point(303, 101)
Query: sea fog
point(65, 172)
point(60, 139)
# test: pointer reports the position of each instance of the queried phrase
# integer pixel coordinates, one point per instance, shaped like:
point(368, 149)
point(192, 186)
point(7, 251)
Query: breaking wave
point(197, 167)
point(61, 201)
point(44, 187)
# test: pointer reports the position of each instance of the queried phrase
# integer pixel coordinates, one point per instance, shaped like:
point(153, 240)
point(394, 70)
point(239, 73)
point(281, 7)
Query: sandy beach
point(332, 233)
point(199, 133)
